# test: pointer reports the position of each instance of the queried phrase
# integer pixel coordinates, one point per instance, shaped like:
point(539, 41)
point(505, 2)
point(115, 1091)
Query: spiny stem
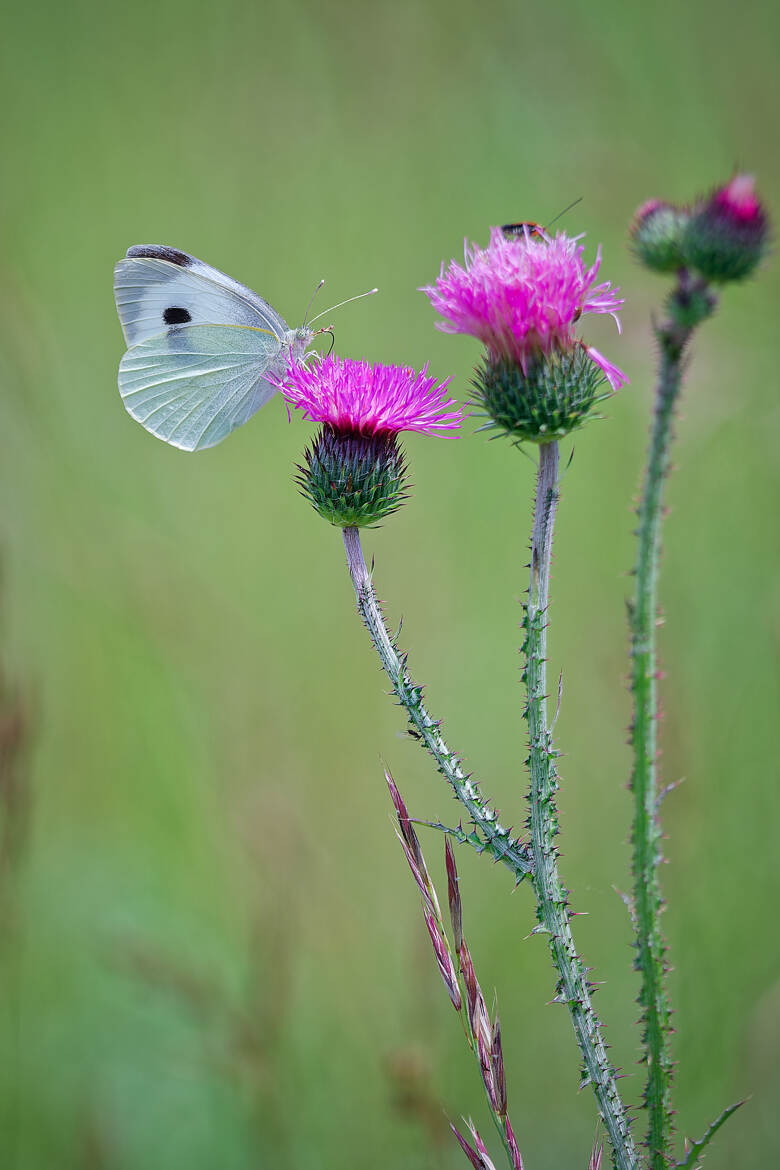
point(673, 336)
point(498, 840)
point(553, 914)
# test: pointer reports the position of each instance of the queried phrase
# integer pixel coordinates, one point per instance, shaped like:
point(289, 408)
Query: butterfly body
point(204, 352)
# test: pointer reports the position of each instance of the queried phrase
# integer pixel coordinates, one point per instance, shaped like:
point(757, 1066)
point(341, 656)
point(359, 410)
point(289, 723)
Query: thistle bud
point(543, 401)
point(353, 480)
point(657, 235)
point(728, 232)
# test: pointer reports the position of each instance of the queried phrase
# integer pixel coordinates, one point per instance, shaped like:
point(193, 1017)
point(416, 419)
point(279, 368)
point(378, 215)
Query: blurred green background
point(212, 955)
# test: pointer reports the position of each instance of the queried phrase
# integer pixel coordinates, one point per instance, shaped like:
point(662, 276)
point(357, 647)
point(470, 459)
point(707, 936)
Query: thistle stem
point(673, 335)
point(497, 839)
point(552, 911)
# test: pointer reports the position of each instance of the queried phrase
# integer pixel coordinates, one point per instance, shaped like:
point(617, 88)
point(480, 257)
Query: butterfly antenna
point(562, 213)
point(348, 301)
point(311, 301)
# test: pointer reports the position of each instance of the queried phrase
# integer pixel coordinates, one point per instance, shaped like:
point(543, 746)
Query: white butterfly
point(201, 347)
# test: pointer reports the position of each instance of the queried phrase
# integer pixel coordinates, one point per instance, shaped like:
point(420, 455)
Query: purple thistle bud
point(453, 890)
point(352, 479)
point(446, 968)
point(517, 1161)
point(728, 233)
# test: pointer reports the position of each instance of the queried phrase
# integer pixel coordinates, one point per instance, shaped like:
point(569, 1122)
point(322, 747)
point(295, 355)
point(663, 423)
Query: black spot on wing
point(160, 252)
point(176, 315)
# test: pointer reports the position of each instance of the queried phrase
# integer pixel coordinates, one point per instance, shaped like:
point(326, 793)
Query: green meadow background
point(212, 955)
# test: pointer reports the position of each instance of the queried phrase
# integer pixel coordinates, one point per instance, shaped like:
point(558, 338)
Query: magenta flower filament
point(367, 399)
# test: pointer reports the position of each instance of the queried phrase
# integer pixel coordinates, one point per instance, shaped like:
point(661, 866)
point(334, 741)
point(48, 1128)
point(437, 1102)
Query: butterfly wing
point(193, 384)
point(156, 286)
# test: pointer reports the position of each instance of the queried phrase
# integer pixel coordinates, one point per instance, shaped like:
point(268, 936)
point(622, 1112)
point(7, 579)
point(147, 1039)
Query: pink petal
point(614, 376)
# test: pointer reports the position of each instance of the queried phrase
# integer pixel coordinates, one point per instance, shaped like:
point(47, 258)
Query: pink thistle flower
point(365, 399)
point(728, 234)
point(522, 297)
point(354, 473)
point(739, 200)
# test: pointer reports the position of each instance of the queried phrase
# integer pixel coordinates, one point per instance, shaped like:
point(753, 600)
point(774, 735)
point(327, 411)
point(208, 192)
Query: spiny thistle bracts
point(353, 480)
point(657, 235)
point(728, 233)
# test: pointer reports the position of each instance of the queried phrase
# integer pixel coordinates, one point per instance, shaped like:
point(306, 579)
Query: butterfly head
point(296, 342)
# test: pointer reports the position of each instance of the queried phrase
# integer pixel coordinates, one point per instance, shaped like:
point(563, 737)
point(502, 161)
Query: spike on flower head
point(354, 471)
point(728, 233)
point(522, 297)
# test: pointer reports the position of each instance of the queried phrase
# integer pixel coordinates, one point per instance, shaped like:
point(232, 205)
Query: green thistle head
point(353, 480)
point(657, 235)
point(552, 396)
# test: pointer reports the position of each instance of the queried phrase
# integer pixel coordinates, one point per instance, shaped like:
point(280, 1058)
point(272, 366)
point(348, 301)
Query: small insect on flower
point(203, 350)
point(527, 228)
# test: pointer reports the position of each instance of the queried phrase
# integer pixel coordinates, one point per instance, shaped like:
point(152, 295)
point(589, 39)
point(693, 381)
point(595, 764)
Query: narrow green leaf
point(695, 1148)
